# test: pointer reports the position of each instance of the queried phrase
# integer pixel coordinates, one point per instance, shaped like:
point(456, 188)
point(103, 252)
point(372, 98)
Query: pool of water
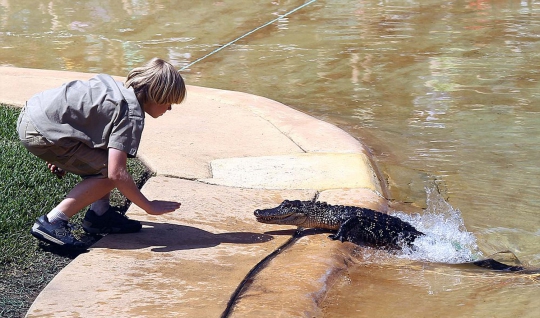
point(444, 93)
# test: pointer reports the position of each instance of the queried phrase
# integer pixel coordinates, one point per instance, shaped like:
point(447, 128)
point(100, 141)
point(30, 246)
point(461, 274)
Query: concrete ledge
point(310, 134)
point(320, 171)
point(183, 142)
point(251, 152)
point(296, 282)
point(247, 126)
point(186, 263)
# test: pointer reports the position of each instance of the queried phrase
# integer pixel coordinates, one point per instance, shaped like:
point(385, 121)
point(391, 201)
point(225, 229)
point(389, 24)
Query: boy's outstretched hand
point(158, 207)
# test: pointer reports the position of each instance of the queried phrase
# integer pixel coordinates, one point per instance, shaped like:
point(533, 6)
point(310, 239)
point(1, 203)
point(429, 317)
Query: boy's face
point(155, 110)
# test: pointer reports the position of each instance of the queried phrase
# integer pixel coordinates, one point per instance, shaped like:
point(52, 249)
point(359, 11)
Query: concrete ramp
point(296, 171)
point(222, 154)
point(184, 264)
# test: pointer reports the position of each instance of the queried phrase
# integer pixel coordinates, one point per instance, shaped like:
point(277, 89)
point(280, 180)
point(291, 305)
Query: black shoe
point(110, 222)
point(57, 233)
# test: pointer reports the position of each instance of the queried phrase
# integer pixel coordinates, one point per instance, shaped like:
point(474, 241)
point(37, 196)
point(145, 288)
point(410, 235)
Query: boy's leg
point(102, 205)
point(101, 218)
point(83, 194)
point(90, 191)
point(53, 227)
point(56, 230)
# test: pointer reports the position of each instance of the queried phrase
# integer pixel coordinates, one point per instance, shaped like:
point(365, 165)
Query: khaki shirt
point(100, 113)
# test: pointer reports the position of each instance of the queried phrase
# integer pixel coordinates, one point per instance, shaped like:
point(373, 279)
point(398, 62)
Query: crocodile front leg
point(381, 230)
point(347, 230)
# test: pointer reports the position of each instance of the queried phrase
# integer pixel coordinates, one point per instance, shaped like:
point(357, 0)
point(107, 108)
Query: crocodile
point(353, 224)
point(361, 226)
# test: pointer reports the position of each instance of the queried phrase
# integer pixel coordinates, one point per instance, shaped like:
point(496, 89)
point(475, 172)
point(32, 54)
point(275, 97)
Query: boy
point(90, 128)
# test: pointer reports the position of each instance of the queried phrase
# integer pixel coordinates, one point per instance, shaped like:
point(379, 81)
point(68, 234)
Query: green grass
point(28, 190)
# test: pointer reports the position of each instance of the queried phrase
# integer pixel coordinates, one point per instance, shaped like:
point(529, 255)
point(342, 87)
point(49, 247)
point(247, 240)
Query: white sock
point(56, 215)
point(100, 206)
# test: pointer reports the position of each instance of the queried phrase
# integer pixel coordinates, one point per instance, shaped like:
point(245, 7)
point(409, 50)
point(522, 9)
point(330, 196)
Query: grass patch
point(28, 190)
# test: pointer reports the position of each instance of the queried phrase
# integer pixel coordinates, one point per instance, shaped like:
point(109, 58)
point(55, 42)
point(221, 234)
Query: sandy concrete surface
point(223, 154)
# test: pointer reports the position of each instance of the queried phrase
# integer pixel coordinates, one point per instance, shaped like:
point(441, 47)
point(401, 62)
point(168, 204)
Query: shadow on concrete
point(61, 251)
point(164, 237)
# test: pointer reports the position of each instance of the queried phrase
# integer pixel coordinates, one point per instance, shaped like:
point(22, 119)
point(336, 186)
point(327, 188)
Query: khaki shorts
point(72, 156)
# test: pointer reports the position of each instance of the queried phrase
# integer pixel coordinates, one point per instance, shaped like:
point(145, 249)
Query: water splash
point(446, 240)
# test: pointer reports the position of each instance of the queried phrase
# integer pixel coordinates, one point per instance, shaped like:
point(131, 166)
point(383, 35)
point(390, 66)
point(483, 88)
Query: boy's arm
point(123, 181)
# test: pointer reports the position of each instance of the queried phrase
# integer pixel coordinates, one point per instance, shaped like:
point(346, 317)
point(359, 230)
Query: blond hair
point(157, 81)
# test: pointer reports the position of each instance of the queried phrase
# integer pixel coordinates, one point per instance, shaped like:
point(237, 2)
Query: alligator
point(353, 224)
point(361, 226)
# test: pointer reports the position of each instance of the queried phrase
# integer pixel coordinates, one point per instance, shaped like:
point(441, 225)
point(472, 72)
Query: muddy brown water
point(444, 93)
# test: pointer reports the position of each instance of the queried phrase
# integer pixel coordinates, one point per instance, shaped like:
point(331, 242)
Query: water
point(446, 238)
point(442, 92)
point(434, 276)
